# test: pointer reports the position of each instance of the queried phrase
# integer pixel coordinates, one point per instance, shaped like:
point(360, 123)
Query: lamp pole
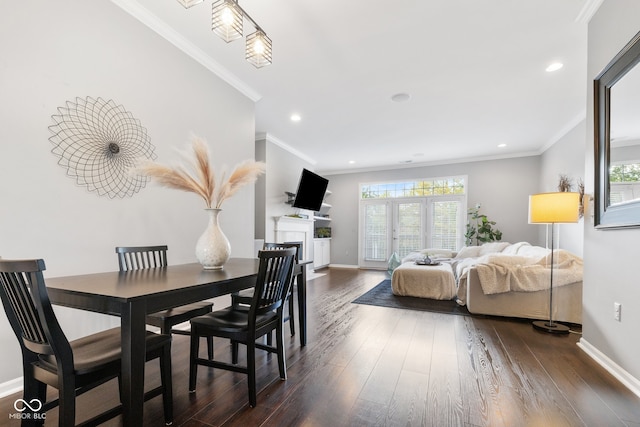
point(551, 327)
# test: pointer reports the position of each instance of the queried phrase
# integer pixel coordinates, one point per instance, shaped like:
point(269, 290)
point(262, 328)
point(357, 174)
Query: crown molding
point(272, 139)
point(427, 164)
point(143, 15)
point(588, 10)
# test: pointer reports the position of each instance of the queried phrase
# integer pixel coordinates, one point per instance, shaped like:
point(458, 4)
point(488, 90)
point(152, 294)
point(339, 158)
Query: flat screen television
point(311, 189)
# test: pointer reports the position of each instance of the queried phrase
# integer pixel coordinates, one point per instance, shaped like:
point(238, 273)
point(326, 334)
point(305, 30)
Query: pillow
point(513, 249)
point(432, 253)
point(412, 256)
point(469, 252)
point(493, 247)
point(533, 251)
point(437, 252)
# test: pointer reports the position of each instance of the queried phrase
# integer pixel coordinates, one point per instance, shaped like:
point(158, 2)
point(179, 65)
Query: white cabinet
point(323, 220)
point(321, 253)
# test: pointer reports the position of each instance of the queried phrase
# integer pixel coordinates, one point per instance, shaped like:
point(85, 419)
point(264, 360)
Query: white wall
point(610, 256)
point(53, 52)
point(565, 157)
point(283, 173)
point(502, 187)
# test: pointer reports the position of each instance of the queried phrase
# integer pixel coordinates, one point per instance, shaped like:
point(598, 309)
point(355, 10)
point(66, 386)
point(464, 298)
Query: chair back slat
point(28, 308)
point(285, 245)
point(141, 257)
point(17, 291)
point(273, 281)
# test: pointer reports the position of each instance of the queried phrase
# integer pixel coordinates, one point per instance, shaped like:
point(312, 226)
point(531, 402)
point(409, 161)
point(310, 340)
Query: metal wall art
point(99, 143)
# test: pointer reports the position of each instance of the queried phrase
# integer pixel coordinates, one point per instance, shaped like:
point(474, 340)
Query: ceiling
point(474, 70)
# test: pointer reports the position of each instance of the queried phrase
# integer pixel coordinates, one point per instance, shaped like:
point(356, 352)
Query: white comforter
point(505, 273)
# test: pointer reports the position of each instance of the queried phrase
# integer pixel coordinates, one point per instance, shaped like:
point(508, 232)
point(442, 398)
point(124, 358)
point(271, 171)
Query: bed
point(499, 279)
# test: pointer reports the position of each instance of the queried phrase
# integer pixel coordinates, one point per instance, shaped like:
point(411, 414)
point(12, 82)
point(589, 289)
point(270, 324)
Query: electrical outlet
point(617, 309)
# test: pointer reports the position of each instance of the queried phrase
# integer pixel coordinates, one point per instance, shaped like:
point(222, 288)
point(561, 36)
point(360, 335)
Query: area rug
point(382, 296)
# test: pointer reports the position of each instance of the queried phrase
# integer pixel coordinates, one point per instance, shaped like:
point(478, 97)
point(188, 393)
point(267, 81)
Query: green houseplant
point(479, 229)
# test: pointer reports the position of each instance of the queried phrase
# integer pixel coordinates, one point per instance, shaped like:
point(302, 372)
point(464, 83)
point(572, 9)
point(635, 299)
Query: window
point(407, 216)
point(624, 182)
point(427, 187)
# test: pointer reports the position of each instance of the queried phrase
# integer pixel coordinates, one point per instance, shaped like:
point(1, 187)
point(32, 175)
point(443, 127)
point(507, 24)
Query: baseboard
point(612, 367)
point(10, 387)
point(343, 266)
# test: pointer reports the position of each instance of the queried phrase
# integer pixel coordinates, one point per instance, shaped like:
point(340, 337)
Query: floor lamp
point(552, 208)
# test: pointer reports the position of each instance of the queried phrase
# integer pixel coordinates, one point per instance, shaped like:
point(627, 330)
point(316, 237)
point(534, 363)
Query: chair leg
point(251, 372)
point(167, 384)
point(193, 355)
point(292, 323)
point(66, 401)
point(33, 389)
point(120, 386)
point(234, 352)
point(210, 347)
point(282, 363)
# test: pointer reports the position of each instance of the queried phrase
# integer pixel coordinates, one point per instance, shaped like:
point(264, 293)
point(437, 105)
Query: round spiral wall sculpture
point(98, 143)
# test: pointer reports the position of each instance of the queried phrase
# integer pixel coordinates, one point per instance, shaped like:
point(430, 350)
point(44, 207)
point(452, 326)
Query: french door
point(407, 225)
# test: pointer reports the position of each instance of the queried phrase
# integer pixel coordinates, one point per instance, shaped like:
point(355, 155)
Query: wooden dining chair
point(144, 257)
point(242, 299)
point(49, 359)
point(264, 316)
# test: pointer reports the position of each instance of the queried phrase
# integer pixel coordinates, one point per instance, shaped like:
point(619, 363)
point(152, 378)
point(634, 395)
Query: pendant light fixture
point(258, 49)
point(227, 19)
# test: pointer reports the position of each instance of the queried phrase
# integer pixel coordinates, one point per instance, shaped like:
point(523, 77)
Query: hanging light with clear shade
point(258, 49)
point(226, 20)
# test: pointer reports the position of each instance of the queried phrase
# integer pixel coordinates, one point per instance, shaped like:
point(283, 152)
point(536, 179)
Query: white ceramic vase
point(213, 248)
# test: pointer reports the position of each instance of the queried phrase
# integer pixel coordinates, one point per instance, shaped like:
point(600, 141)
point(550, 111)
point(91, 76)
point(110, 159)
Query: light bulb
point(227, 17)
point(258, 47)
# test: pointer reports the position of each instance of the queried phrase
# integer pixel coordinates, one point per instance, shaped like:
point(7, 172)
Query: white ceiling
point(475, 71)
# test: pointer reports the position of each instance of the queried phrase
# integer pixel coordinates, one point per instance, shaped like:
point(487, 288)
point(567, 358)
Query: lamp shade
point(548, 208)
point(258, 49)
point(226, 20)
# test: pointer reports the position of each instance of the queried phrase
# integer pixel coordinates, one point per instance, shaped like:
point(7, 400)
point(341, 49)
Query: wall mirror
point(617, 140)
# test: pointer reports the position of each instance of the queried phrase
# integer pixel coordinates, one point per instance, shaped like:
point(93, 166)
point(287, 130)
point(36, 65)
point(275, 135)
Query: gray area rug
point(382, 296)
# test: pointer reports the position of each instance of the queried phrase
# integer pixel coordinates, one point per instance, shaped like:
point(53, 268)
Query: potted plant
point(479, 229)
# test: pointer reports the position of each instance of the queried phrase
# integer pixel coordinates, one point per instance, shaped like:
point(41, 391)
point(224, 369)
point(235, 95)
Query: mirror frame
point(605, 215)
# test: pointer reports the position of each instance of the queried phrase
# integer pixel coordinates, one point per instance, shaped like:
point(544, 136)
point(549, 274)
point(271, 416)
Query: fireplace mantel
point(292, 229)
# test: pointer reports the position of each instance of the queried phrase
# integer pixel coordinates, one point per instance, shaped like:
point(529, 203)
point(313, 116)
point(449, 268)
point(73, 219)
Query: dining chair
point(144, 257)
point(242, 299)
point(49, 359)
point(263, 317)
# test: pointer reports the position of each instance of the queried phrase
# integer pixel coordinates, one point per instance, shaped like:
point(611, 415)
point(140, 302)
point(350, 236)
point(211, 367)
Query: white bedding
point(505, 273)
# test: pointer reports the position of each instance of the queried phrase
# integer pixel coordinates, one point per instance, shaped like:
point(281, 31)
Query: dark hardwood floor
point(368, 366)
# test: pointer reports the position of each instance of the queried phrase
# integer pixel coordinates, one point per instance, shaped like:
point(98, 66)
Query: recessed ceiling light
point(502, 145)
point(351, 162)
point(401, 97)
point(554, 67)
point(295, 117)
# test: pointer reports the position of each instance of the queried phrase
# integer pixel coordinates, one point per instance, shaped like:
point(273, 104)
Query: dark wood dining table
point(132, 294)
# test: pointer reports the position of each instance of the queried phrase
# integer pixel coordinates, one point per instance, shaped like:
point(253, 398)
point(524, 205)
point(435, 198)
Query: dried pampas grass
point(198, 176)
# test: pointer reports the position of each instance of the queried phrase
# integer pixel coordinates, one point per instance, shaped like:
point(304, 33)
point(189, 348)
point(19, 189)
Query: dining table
point(131, 295)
